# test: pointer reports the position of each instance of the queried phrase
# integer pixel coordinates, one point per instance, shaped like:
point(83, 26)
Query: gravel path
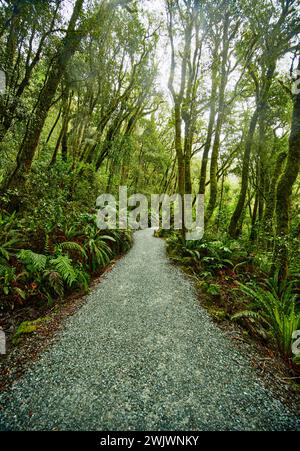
point(142, 355)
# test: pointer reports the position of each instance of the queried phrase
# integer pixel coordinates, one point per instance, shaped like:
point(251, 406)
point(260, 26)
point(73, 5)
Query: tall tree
point(184, 20)
point(226, 38)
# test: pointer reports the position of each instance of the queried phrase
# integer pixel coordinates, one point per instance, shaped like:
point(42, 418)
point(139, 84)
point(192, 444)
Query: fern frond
point(55, 281)
point(248, 314)
point(107, 238)
point(4, 268)
point(21, 293)
point(83, 278)
point(72, 246)
point(4, 253)
point(36, 262)
point(63, 265)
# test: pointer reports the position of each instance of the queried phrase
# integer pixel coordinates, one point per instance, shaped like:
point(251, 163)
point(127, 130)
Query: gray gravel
point(142, 355)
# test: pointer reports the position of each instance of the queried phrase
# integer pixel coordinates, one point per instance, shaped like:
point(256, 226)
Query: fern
point(63, 265)
point(34, 262)
point(7, 277)
point(4, 253)
point(82, 278)
point(21, 293)
point(4, 267)
point(99, 251)
point(249, 314)
point(273, 306)
point(107, 238)
point(55, 281)
point(8, 248)
point(71, 246)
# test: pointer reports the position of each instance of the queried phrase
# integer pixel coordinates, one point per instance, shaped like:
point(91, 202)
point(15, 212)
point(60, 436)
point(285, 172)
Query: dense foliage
point(182, 96)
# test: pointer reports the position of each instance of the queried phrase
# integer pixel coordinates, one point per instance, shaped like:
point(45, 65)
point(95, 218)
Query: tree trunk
point(220, 209)
point(271, 197)
point(54, 156)
point(253, 234)
point(211, 124)
point(220, 120)
point(261, 172)
point(66, 106)
point(284, 192)
point(53, 126)
point(187, 156)
point(235, 225)
point(179, 152)
point(8, 114)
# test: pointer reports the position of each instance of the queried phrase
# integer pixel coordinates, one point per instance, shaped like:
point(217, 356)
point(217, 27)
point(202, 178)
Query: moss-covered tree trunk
point(188, 140)
point(221, 112)
point(262, 94)
point(253, 233)
point(262, 157)
point(259, 204)
point(235, 223)
point(271, 196)
point(15, 86)
point(63, 135)
point(284, 191)
point(66, 105)
point(10, 52)
point(179, 151)
point(211, 122)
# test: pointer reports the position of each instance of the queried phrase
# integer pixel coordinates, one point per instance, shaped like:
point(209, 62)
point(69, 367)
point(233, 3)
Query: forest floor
point(141, 354)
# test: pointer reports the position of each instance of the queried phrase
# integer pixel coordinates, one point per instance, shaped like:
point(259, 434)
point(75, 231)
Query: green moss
point(28, 327)
point(218, 314)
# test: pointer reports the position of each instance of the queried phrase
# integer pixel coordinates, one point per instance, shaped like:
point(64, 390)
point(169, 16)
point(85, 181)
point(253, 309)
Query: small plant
point(28, 327)
point(8, 282)
point(213, 289)
point(97, 249)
